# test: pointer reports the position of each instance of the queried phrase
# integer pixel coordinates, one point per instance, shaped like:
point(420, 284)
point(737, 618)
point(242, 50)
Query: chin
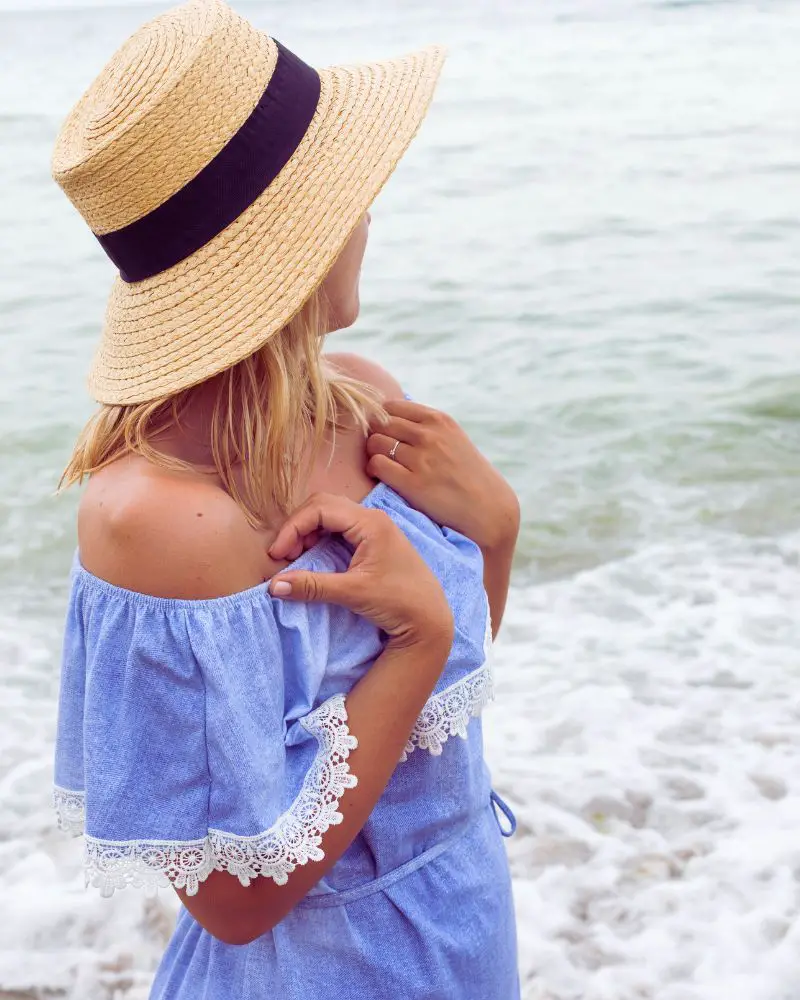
point(345, 315)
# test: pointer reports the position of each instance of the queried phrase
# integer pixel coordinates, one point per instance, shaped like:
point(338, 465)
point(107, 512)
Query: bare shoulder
point(155, 532)
point(367, 371)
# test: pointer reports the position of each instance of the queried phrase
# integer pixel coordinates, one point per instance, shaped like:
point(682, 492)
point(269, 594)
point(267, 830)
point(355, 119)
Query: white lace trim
point(292, 840)
point(447, 713)
point(488, 638)
point(70, 809)
point(146, 864)
point(295, 837)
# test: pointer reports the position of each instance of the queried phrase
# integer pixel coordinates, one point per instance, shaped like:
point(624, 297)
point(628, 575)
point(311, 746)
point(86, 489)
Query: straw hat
point(223, 176)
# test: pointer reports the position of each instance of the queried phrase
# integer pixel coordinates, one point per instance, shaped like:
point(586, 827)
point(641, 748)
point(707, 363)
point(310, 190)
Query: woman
point(268, 655)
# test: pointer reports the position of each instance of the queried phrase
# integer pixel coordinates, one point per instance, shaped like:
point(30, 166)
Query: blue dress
point(195, 735)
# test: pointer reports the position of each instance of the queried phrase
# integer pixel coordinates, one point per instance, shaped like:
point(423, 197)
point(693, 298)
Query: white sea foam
point(647, 735)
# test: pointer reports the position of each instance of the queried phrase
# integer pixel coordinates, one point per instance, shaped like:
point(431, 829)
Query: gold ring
point(395, 446)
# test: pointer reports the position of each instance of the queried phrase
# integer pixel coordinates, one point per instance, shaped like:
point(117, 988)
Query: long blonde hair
point(270, 414)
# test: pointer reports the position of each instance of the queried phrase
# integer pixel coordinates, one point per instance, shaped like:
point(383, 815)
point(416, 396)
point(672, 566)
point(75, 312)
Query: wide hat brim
point(216, 307)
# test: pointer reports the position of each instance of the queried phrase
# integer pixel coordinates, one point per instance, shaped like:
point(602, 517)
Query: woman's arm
point(450, 479)
point(498, 557)
point(388, 583)
point(440, 472)
point(381, 710)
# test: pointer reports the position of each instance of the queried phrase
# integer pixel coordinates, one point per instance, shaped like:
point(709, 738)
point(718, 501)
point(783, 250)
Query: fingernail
point(281, 588)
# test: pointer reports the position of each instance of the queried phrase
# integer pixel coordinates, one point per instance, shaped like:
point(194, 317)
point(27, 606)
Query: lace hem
point(295, 838)
point(292, 840)
point(447, 713)
point(146, 864)
point(70, 810)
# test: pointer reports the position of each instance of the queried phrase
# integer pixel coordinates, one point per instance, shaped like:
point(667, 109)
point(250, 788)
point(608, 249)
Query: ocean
point(591, 258)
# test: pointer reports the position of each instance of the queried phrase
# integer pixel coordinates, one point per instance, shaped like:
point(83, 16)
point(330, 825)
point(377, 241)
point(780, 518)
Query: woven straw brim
point(220, 305)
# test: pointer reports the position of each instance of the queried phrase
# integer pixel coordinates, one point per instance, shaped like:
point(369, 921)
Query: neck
point(190, 439)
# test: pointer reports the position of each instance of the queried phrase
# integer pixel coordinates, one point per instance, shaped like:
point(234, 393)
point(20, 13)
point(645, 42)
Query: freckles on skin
point(341, 285)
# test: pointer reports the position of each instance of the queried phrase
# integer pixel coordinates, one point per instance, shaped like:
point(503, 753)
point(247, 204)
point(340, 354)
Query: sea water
point(589, 257)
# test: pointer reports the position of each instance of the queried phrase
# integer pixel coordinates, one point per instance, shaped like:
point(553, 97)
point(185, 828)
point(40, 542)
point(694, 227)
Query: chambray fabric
point(178, 717)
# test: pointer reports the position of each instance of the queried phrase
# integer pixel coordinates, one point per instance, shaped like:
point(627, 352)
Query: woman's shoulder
point(356, 366)
point(159, 533)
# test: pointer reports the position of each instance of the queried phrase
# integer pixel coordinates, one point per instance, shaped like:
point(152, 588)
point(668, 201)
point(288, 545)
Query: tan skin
point(181, 535)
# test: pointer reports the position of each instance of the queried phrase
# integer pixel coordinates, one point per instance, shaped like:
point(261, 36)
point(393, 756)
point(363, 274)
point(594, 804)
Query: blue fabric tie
point(505, 809)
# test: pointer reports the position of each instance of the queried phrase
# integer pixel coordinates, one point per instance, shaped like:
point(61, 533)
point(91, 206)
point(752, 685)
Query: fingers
point(412, 412)
point(321, 512)
point(302, 544)
point(329, 588)
point(400, 429)
point(390, 472)
point(380, 444)
point(399, 432)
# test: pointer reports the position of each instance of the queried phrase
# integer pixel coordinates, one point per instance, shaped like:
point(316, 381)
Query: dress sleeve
point(176, 753)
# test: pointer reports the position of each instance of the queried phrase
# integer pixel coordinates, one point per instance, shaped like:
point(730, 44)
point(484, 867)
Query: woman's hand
point(441, 473)
point(387, 580)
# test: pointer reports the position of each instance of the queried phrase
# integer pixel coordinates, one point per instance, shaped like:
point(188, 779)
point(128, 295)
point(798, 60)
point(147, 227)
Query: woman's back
point(223, 717)
point(148, 529)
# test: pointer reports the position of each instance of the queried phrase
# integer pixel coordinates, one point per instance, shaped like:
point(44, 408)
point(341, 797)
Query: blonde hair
point(270, 414)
